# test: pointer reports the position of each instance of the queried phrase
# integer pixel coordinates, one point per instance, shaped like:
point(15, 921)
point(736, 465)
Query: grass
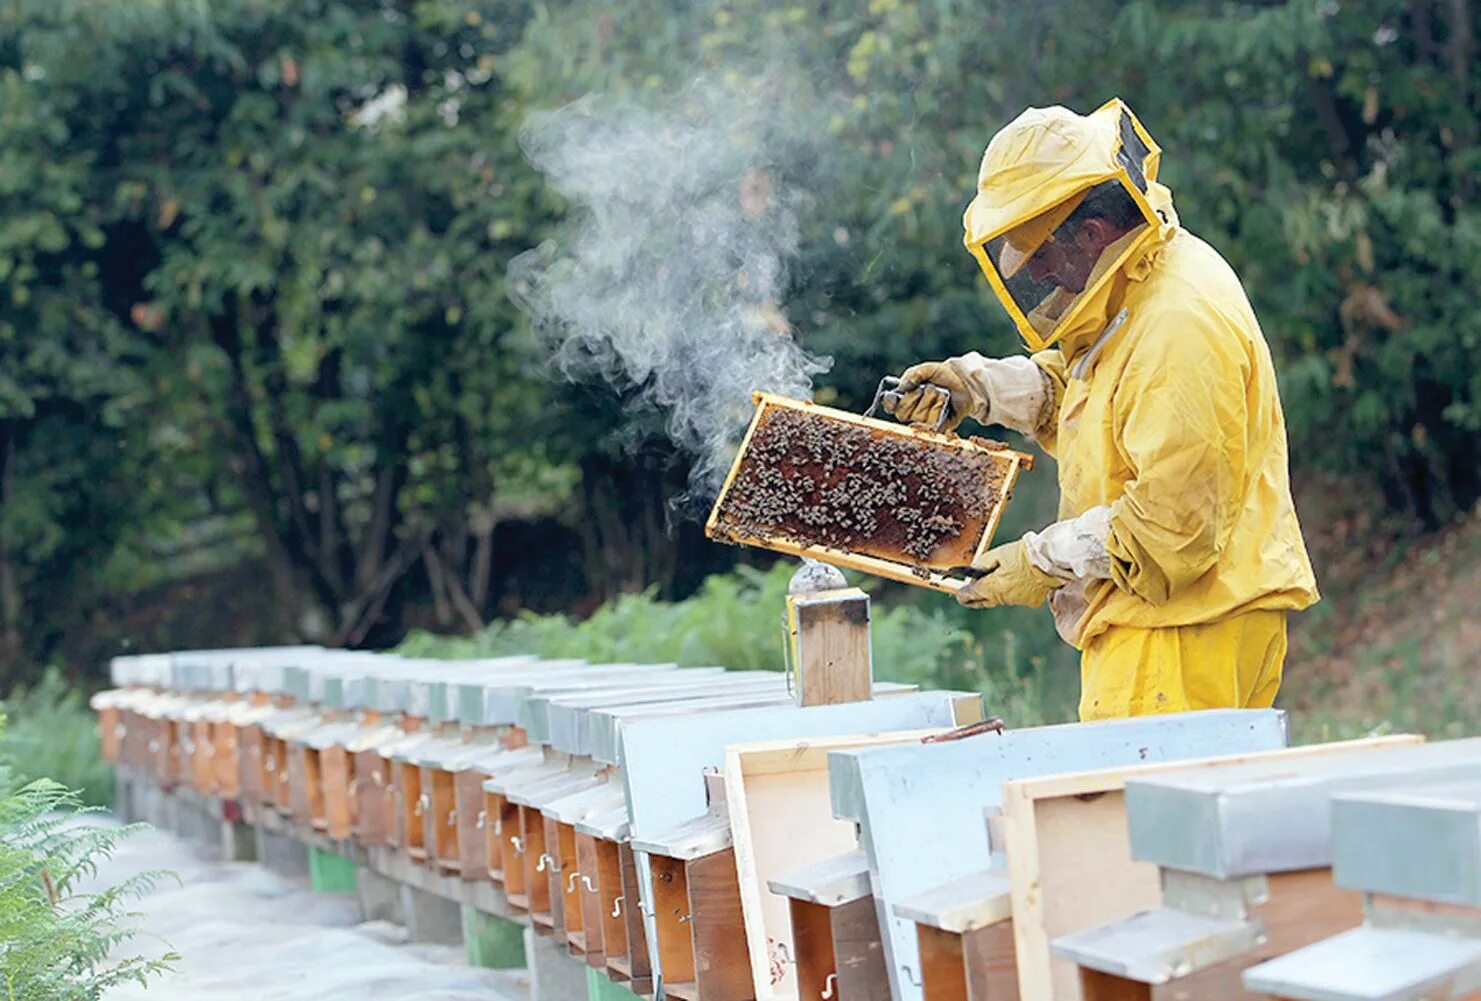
point(51, 732)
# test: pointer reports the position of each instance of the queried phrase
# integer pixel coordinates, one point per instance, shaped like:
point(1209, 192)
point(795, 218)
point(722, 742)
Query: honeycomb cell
point(884, 492)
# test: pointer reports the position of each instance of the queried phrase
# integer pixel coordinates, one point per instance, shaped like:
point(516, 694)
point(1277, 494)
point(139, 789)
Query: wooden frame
point(920, 575)
point(781, 819)
point(1069, 856)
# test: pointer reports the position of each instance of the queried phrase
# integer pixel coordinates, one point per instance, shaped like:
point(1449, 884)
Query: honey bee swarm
point(826, 482)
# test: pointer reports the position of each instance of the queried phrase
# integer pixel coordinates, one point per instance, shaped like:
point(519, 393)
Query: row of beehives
point(781, 851)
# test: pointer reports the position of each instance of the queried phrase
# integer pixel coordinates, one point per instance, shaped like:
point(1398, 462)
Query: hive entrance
point(862, 493)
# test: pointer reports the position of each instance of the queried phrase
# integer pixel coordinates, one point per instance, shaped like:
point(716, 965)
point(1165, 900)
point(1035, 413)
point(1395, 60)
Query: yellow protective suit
point(1166, 410)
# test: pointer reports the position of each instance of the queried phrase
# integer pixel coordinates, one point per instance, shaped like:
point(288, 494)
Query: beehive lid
point(866, 494)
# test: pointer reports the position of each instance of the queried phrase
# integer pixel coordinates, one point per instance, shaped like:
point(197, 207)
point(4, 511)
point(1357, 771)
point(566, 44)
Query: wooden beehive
point(887, 499)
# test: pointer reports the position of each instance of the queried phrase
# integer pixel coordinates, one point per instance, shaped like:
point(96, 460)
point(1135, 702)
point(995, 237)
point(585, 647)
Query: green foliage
point(253, 257)
point(737, 621)
point(56, 940)
point(51, 731)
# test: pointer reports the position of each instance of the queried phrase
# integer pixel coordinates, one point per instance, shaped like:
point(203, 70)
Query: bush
point(736, 620)
point(54, 940)
point(52, 732)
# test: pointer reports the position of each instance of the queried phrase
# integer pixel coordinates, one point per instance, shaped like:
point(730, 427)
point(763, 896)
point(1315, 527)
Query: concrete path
point(244, 932)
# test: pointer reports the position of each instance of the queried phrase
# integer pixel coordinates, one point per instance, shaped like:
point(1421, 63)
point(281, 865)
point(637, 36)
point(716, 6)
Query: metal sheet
point(601, 797)
point(1371, 964)
point(604, 724)
point(833, 881)
point(969, 902)
point(610, 826)
point(690, 840)
point(920, 806)
point(1270, 816)
point(536, 794)
point(501, 702)
point(1156, 946)
point(1412, 841)
point(534, 711)
point(569, 715)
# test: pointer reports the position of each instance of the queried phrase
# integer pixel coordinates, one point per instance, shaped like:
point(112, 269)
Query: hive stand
point(834, 949)
point(1414, 851)
point(920, 807)
point(782, 820)
point(663, 758)
point(1245, 854)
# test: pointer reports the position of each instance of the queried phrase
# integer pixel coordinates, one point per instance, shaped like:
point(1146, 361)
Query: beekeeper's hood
point(1051, 269)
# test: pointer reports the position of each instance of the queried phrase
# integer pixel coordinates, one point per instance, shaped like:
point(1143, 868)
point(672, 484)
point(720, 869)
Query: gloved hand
point(916, 403)
point(1008, 578)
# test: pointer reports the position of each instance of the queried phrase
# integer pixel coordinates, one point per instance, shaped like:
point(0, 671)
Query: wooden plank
point(1098, 986)
point(833, 657)
point(334, 768)
point(372, 827)
point(992, 973)
point(588, 892)
point(943, 973)
point(537, 887)
point(781, 820)
point(298, 783)
point(555, 871)
point(610, 898)
point(673, 919)
point(719, 929)
point(110, 733)
point(468, 800)
point(442, 820)
point(812, 938)
point(314, 788)
point(637, 966)
point(858, 953)
point(1069, 856)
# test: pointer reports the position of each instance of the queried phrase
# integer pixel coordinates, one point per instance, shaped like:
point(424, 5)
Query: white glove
point(1073, 550)
point(1013, 392)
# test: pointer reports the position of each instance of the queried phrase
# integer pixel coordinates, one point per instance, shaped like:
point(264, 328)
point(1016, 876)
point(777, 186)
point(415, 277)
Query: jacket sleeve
point(1056, 372)
point(1180, 421)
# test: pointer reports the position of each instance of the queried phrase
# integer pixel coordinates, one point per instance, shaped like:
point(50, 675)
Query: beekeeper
point(1177, 554)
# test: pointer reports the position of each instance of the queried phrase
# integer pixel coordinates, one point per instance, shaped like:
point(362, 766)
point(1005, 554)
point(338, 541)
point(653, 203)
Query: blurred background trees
point(259, 378)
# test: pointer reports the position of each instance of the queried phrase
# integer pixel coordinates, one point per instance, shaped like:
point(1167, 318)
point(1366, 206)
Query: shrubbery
point(736, 621)
point(55, 939)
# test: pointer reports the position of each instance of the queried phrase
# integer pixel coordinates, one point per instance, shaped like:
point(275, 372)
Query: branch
point(362, 612)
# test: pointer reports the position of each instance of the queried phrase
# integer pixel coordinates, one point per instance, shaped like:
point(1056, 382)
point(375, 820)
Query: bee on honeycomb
point(820, 481)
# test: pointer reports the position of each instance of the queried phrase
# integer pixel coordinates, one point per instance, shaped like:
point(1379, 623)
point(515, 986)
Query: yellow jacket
point(1170, 415)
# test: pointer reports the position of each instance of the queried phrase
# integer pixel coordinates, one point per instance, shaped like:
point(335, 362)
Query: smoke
point(668, 274)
